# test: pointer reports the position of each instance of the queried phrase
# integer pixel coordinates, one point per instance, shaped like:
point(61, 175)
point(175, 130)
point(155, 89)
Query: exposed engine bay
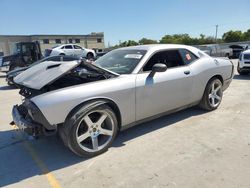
point(83, 73)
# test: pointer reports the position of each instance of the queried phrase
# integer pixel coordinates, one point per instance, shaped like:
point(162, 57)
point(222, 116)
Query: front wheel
point(240, 71)
point(212, 96)
point(92, 132)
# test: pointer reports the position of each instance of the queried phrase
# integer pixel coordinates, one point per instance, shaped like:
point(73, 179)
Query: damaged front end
point(47, 77)
point(28, 118)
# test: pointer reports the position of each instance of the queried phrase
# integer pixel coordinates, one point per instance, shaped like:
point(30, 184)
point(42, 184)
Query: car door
point(68, 50)
point(78, 51)
point(164, 91)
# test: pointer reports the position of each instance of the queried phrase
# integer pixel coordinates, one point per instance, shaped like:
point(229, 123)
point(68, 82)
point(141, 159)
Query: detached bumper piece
point(23, 122)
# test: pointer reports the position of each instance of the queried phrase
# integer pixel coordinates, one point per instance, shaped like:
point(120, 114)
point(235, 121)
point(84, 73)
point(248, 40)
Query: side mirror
point(158, 67)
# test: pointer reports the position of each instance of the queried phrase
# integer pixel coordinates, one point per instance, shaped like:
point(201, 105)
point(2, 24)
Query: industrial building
point(93, 41)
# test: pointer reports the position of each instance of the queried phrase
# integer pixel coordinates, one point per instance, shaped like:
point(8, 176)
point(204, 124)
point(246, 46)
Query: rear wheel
point(90, 132)
point(90, 55)
point(212, 96)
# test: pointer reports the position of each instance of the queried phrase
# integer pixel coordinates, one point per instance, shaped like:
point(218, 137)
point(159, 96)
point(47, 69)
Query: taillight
point(232, 73)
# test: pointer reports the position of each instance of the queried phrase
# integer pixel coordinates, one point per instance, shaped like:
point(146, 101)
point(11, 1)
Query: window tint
point(77, 47)
point(68, 47)
point(187, 56)
point(171, 58)
point(99, 40)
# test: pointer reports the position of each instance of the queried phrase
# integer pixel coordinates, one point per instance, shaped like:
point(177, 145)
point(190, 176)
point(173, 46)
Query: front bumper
point(9, 80)
point(244, 64)
point(4, 68)
point(31, 128)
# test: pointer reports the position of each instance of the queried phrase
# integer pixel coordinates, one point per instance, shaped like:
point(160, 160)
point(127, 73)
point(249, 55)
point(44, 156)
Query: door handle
point(187, 72)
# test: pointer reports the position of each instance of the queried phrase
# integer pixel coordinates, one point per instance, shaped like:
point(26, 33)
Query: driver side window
point(171, 58)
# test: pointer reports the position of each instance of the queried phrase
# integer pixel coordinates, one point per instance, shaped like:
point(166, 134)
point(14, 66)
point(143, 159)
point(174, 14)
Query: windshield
point(121, 61)
point(18, 48)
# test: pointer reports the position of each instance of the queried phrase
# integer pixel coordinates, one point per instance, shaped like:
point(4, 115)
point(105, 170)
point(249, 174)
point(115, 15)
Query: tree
point(147, 41)
point(178, 39)
point(233, 36)
point(128, 43)
point(246, 35)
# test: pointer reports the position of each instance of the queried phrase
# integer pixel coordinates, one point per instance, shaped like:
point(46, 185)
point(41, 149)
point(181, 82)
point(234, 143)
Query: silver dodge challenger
point(87, 104)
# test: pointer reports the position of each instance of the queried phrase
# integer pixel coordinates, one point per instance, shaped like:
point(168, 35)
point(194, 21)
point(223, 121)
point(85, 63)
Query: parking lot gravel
point(191, 148)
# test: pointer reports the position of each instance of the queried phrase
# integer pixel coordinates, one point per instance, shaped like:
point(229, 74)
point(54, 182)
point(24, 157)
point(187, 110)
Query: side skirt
point(124, 127)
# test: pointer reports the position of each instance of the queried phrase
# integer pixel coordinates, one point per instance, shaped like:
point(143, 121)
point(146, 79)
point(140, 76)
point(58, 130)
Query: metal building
point(93, 41)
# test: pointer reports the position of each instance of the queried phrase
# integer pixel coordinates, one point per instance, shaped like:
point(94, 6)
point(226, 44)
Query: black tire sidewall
point(90, 55)
point(71, 134)
point(205, 101)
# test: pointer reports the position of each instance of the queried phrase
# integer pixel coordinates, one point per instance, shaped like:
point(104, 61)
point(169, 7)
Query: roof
point(155, 47)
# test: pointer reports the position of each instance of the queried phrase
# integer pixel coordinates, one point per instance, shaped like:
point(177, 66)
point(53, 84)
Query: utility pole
point(216, 33)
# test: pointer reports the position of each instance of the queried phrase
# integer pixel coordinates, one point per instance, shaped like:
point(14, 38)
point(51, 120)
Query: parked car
point(100, 54)
point(216, 50)
point(11, 74)
point(71, 50)
point(25, 53)
point(89, 103)
point(244, 63)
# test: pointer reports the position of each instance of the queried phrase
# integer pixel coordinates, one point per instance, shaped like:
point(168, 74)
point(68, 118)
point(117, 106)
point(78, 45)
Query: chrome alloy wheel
point(95, 130)
point(215, 94)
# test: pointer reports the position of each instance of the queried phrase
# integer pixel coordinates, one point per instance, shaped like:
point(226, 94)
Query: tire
point(240, 71)
point(62, 54)
point(89, 131)
point(212, 96)
point(90, 55)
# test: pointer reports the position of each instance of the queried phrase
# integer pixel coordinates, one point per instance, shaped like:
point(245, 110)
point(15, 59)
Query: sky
point(122, 20)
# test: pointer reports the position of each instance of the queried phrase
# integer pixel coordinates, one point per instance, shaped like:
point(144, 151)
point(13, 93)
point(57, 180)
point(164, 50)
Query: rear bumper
point(226, 84)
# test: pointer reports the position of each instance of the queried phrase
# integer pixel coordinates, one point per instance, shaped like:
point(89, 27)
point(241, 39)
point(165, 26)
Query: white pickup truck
point(216, 50)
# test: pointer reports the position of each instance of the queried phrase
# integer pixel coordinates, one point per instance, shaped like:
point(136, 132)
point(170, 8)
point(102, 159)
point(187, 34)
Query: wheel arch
point(218, 76)
point(89, 52)
point(91, 103)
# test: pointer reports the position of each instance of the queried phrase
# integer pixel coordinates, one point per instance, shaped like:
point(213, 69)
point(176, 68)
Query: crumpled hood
point(44, 73)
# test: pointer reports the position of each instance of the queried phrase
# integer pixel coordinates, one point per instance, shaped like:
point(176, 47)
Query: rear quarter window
point(187, 56)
